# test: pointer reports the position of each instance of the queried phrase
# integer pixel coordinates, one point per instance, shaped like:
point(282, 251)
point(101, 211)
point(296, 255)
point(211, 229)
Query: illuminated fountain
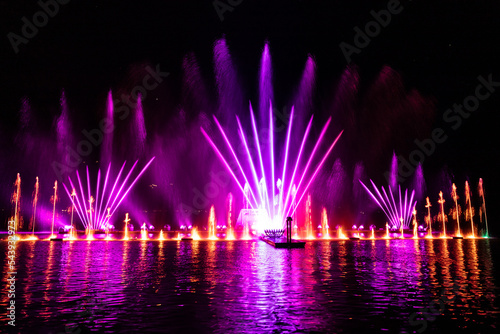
point(96, 217)
point(211, 224)
point(457, 210)
point(469, 211)
point(125, 234)
point(399, 215)
point(54, 201)
point(230, 230)
point(401, 226)
point(387, 234)
point(415, 227)
point(194, 234)
point(161, 238)
point(483, 206)
point(264, 194)
point(373, 233)
point(340, 234)
point(443, 217)
point(144, 232)
point(309, 226)
point(35, 202)
point(16, 199)
point(324, 224)
point(428, 219)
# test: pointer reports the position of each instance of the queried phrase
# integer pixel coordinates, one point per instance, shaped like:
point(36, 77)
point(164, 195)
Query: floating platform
point(281, 243)
point(457, 237)
point(186, 239)
point(353, 238)
point(56, 239)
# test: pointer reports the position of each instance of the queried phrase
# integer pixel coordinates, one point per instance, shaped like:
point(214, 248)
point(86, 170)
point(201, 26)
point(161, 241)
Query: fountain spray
point(54, 198)
point(35, 202)
point(429, 219)
point(16, 199)
point(72, 228)
point(211, 223)
point(324, 224)
point(481, 194)
point(415, 233)
point(127, 219)
point(455, 198)
point(469, 209)
point(441, 201)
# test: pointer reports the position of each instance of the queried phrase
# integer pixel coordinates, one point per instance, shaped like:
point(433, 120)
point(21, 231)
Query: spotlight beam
point(257, 143)
point(221, 157)
point(252, 165)
point(234, 156)
point(320, 138)
point(316, 171)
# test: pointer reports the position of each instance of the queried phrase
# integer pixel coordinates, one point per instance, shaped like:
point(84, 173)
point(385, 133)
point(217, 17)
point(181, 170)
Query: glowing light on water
point(194, 234)
point(443, 217)
point(415, 232)
point(399, 215)
point(16, 198)
point(261, 191)
point(107, 198)
point(309, 226)
point(469, 211)
point(127, 219)
point(457, 213)
point(72, 235)
point(401, 228)
point(387, 234)
point(341, 235)
point(324, 224)
point(230, 230)
point(483, 206)
point(54, 200)
point(144, 232)
point(428, 219)
point(211, 224)
point(35, 202)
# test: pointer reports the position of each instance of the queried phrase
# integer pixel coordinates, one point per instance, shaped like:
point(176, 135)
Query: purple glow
point(234, 154)
point(107, 144)
point(394, 212)
point(224, 161)
point(275, 217)
point(266, 95)
point(95, 217)
point(316, 172)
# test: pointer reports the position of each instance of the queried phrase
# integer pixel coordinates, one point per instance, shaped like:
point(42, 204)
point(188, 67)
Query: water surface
point(389, 286)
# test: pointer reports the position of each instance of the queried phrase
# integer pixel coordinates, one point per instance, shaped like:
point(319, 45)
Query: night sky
point(439, 48)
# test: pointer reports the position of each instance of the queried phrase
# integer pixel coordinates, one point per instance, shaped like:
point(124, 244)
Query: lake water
point(387, 286)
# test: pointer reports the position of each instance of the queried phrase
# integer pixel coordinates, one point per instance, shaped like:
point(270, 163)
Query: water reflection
point(234, 286)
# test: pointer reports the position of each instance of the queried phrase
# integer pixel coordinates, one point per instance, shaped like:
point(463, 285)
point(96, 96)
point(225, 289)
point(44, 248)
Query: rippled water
point(389, 286)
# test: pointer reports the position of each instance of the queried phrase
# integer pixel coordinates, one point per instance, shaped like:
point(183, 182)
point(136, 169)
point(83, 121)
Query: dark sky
point(438, 47)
